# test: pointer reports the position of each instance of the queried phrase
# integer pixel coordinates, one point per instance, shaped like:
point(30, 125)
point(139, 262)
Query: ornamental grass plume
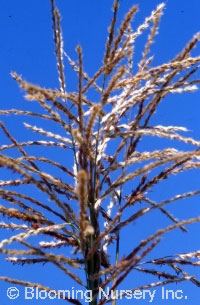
point(87, 204)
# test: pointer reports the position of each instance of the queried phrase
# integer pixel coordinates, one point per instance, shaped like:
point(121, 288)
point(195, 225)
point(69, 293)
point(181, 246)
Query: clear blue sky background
point(26, 46)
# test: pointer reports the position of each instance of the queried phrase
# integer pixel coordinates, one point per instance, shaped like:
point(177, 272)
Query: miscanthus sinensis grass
point(98, 181)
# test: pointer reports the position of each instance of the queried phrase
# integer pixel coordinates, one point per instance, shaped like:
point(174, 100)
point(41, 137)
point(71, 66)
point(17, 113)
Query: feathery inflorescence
point(99, 180)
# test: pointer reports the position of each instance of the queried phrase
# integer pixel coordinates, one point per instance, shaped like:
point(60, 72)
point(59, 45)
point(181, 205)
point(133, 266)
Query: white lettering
point(54, 294)
point(152, 295)
point(176, 294)
point(129, 294)
point(29, 290)
point(102, 292)
point(137, 294)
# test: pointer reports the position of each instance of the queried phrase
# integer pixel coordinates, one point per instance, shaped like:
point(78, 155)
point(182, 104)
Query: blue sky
point(26, 46)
